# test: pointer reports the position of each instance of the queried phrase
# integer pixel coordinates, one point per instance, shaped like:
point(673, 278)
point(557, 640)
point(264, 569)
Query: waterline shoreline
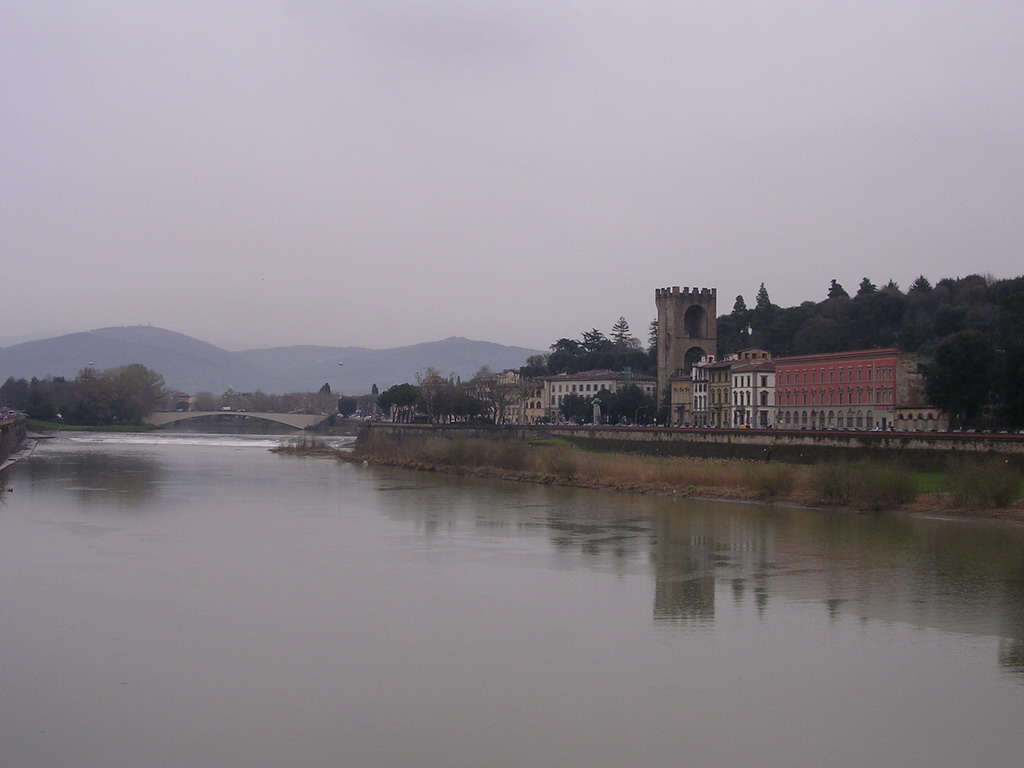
point(854, 486)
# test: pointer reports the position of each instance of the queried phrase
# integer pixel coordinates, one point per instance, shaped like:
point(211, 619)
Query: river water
point(190, 600)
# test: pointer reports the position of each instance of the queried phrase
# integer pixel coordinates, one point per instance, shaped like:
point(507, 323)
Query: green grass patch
point(931, 482)
point(57, 426)
point(869, 484)
point(771, 481)
point(984, 482)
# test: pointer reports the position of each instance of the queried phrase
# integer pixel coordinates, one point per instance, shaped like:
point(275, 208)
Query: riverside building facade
point(588, 384)
point(753, 393)
point(862, 389)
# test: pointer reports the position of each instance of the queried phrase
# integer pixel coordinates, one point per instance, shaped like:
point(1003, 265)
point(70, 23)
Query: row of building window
point(858, 420)
point(589, 388)
point(817, 375)
point(747, 380)
point(582, 388)
point(875, 396)
point(740, 398)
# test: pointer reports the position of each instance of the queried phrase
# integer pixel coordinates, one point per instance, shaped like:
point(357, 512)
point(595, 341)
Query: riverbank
point(56, 426)
point(971, 488)
point(12, 437)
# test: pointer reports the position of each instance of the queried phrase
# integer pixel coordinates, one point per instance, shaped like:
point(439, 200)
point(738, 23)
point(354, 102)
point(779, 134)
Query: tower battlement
point(704, 293)
point(687, 329)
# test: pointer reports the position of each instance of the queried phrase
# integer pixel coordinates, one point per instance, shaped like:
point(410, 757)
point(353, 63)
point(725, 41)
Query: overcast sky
point(386, 172)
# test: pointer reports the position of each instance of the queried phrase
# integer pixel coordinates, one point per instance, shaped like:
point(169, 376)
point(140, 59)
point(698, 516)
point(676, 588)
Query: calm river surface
point(200, 602)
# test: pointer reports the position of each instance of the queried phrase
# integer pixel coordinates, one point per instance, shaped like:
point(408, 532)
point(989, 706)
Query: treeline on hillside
point(917, 320)
point(968, 334)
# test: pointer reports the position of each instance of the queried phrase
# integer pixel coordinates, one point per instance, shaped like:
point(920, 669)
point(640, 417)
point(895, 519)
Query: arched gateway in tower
point(687, 329)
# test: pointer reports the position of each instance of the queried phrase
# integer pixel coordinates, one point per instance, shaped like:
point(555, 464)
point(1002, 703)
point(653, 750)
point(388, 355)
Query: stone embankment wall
point(919, 448)
point(12, 435)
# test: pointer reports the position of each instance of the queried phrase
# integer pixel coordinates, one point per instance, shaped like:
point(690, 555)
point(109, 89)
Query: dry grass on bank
point(981, 485)
point(307, 446)
point(555, 463)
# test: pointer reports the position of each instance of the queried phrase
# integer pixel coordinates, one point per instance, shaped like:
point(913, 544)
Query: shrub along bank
point(986, 486)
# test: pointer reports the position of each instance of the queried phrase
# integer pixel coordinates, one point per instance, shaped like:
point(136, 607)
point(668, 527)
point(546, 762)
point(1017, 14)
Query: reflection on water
point(965, 577)
point(179, 601)
point(123, 479)
point(960, 577)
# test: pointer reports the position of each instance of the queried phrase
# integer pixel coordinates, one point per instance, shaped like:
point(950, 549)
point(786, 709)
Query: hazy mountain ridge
point(193, 365)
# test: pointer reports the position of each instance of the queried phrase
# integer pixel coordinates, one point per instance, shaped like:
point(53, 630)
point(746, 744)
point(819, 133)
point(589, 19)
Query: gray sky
point(386, 172)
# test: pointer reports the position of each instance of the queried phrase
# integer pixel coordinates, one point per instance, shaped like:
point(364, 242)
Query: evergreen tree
point(14, 393)
point(836, 291)
point(399, 401)
point(763, 302)
point(39, 402)
point(738, 327)
point(959, 379)
point(920, 285)
point(620, 333)
point(594, 341)
point(576, 408)
point(866, 288)
point(536, 365)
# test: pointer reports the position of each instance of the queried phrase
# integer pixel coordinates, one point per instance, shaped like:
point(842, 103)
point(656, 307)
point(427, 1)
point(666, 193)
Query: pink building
point(851, 390)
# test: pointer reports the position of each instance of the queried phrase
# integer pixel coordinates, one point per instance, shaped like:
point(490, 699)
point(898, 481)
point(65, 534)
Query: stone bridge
point(296, 420)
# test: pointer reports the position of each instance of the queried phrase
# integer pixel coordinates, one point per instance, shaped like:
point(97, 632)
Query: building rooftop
point(839, 355)
point(754, 365)
point(601, 374)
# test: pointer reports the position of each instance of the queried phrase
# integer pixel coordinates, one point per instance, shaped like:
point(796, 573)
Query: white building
point(699, 374)
point(588, 384)
point(753, 394)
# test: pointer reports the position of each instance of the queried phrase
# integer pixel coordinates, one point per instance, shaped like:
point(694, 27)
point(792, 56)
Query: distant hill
point(192, 365)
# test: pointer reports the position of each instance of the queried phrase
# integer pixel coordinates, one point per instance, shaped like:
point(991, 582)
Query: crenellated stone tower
point(687, 329)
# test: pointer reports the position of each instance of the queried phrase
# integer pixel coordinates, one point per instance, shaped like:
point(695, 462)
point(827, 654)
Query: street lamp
point(636, 413)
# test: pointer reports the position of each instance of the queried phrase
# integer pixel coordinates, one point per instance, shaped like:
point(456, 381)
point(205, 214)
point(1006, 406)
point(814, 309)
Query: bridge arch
point(295, 420)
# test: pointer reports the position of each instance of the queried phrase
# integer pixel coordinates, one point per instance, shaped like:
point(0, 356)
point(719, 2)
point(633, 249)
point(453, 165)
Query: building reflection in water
point(692, 552)
point(966, 578)
point(961, 577)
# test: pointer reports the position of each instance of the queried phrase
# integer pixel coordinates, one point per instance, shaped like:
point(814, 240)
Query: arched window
point(695, 322)
point(693, 355)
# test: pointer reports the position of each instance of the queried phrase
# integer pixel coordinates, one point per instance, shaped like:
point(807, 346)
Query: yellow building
point(681, 401)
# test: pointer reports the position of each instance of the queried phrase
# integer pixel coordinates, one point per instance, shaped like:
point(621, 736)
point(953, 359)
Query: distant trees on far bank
point(121, 395)
point(595, 351)
point(124, 395)
point(628, 405)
